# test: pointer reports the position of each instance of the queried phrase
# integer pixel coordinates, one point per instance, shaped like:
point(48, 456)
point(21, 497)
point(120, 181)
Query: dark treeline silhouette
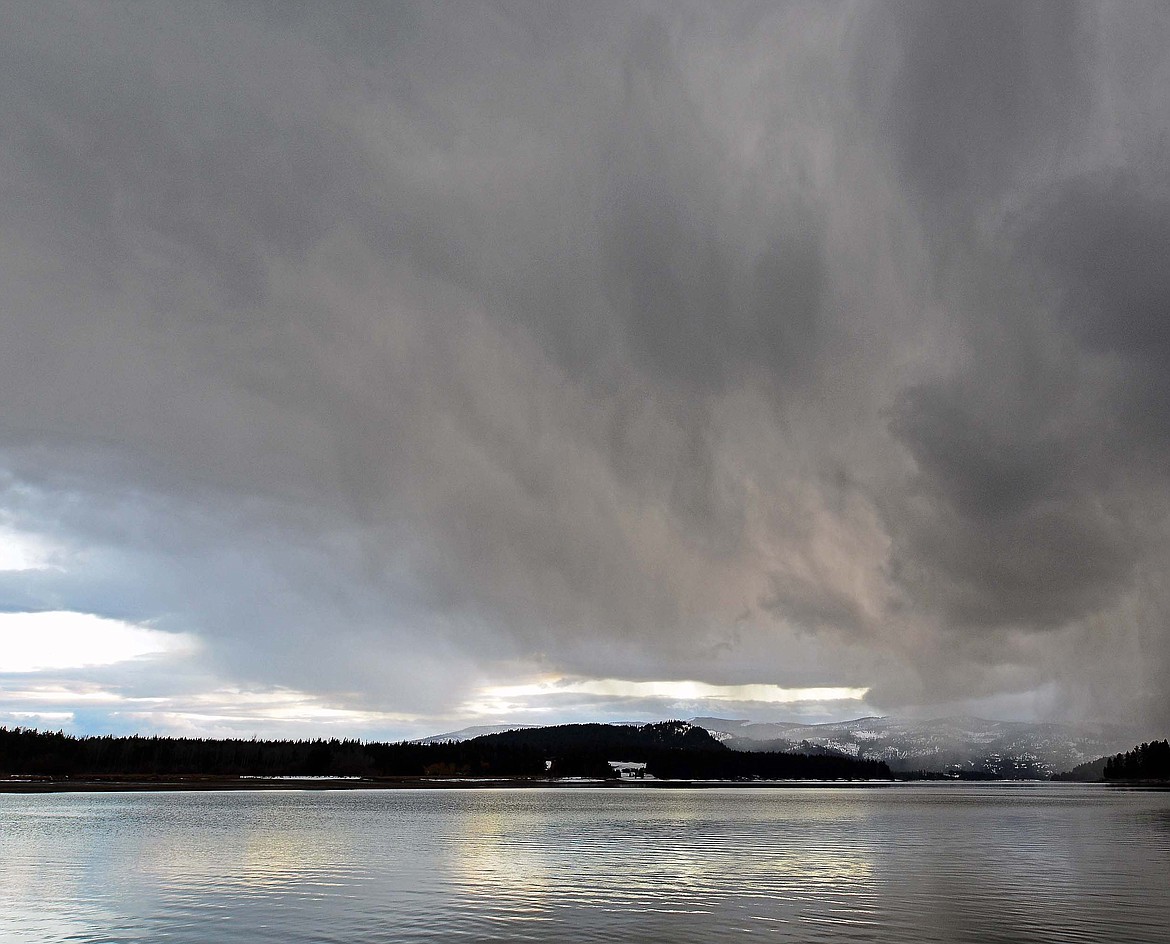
point(24, 751)
point(952, 774)
point(750, 765)
point(617, 741)
point(581, 763)
point(1145, 762)
point(1090, 771)
point(671, 750)
point(676, 750)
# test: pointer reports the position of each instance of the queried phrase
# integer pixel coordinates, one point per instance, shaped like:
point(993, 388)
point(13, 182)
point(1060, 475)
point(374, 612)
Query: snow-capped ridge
point(1016, 749)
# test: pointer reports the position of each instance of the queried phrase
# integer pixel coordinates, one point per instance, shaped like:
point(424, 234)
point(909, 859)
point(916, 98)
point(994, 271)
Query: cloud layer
point(400, 353)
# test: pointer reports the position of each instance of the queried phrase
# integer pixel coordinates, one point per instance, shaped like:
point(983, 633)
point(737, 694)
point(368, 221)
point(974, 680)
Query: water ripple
point(919, 863)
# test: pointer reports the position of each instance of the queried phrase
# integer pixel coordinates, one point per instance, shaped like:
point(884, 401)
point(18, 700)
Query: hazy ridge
point(1013, 749)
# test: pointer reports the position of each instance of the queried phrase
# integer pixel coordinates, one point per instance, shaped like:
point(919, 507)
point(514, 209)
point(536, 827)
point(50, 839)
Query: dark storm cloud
point(1011, 521)
point(390, 349)
point(1035, 503)
point(985, 93)
point(695, 308)
point(1104, 242)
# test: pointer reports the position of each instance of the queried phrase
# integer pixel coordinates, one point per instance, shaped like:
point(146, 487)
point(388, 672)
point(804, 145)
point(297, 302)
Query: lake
point(906, 862)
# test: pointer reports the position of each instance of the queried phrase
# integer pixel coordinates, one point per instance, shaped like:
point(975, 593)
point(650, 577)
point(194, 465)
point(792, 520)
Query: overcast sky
point(376, 369)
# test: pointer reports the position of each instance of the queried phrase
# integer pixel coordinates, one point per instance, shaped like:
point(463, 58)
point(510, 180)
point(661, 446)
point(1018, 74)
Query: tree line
point(671, 750)
point(27, 751)
point(754, 765)
point(1149, 761)
point(676, 750)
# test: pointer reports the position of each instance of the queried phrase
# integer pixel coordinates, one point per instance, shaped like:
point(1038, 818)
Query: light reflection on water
point(909, 863)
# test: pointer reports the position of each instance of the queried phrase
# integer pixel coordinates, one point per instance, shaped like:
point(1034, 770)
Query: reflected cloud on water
point(679, 856)
point(915, 864)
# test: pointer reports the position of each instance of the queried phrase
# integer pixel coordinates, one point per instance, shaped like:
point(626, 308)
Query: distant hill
point(669, 750)
point(1012, 749)
point(624, 742)
point(1091, 771)
point(675, 750)
point(466, 734)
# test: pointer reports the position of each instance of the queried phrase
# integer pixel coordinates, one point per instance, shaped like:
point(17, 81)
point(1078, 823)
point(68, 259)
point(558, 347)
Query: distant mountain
point(619, 741)
point(672, 750)
point(466, 734)
point(1013, 749)
point(479, 730)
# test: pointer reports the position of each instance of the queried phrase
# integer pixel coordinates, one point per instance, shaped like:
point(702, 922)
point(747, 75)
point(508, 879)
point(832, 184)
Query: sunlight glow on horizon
point(20, 551)
point(64, 639)
point(494, 698)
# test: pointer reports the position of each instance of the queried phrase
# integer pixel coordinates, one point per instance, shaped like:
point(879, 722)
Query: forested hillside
point(671, 750)
point(1145, 762)
point(619, 741)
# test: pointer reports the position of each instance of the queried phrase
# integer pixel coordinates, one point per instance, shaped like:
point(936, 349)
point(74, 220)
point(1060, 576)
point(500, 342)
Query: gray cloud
point(1102, 242)
point(394, 350)
point(1034, 502)
point(985, 94)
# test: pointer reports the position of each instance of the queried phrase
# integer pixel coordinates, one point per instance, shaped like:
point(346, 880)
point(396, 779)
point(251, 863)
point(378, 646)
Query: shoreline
point(196, 784)
point(227, 784)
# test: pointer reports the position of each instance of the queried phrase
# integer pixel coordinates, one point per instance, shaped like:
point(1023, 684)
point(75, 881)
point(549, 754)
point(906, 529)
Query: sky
point(371, 370)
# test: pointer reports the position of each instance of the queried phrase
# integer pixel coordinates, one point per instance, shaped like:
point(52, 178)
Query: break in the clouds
point(374, 368)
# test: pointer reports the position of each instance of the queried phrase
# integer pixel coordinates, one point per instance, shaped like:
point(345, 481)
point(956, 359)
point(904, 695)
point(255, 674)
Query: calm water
point(907, 863)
